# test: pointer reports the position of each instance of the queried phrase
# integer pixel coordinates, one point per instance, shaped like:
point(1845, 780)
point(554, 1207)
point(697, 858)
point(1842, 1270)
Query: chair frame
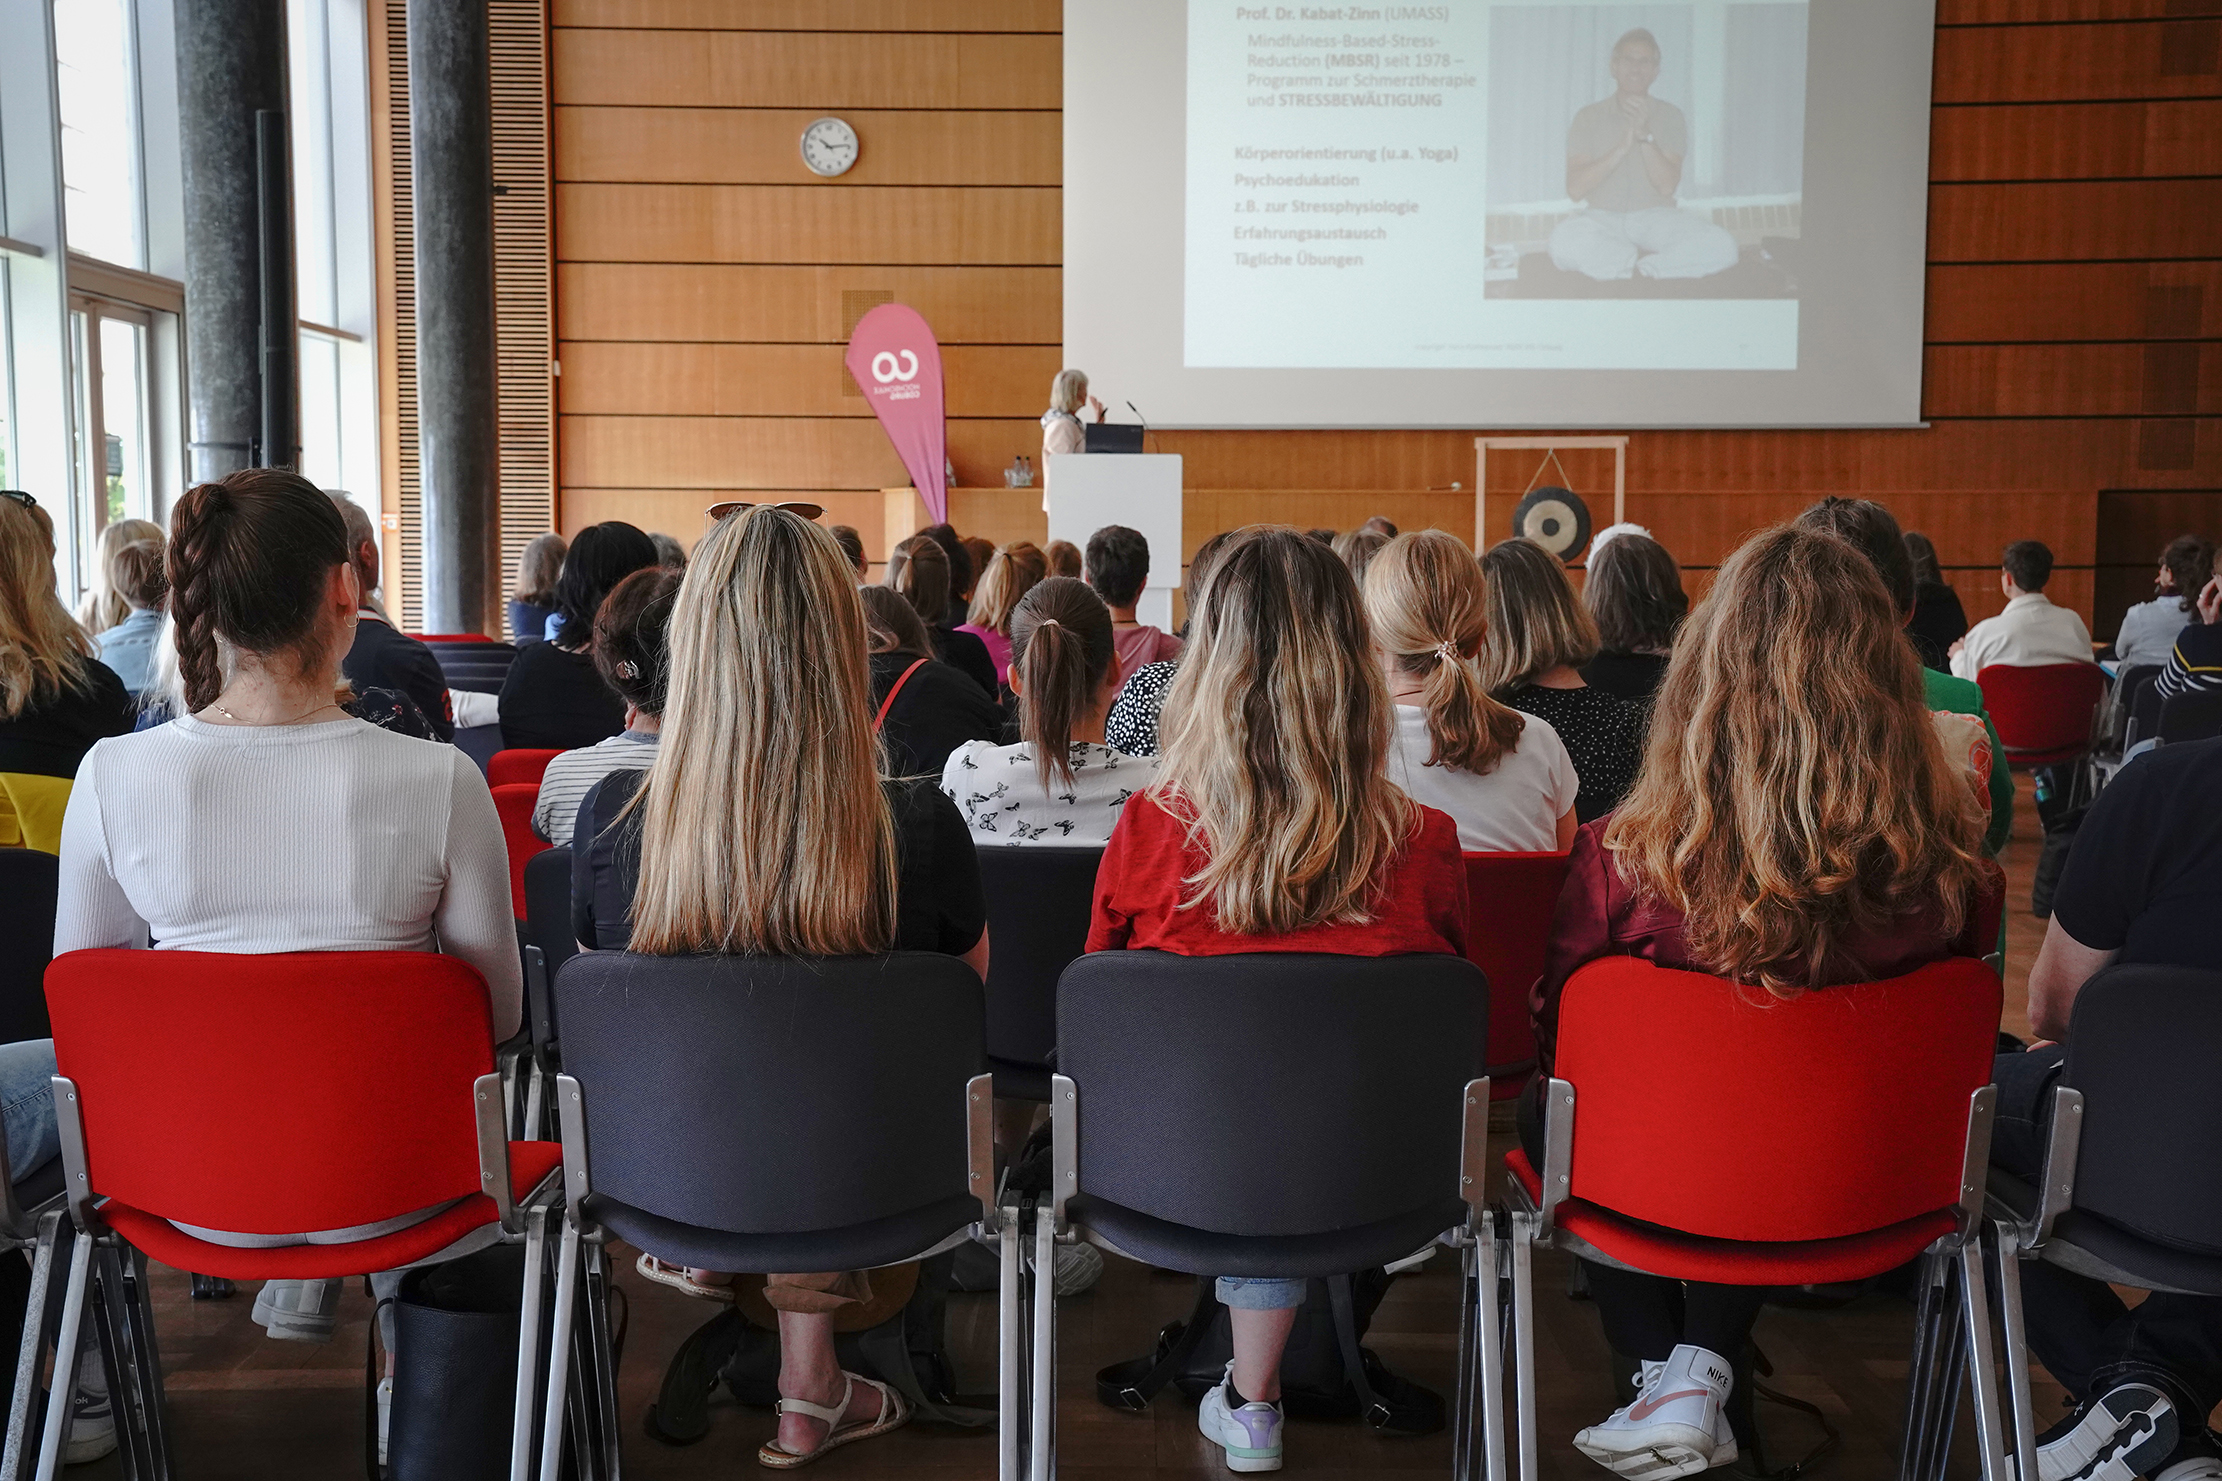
point(1929, 1409)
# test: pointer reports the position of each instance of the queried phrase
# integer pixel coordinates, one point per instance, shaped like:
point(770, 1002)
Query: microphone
point(1145, 421)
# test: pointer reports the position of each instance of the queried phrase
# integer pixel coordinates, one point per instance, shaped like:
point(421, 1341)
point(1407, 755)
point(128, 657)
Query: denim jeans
point(27, 1105)
point(1258, 1293)
point(2086, 1336)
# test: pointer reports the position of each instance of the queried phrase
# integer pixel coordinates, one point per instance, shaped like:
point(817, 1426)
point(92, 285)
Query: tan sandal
point(676, 1277)
point(894, 1414)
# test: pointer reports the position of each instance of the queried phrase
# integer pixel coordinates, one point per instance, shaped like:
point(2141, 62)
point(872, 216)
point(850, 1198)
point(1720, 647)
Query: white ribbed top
point(252, 839)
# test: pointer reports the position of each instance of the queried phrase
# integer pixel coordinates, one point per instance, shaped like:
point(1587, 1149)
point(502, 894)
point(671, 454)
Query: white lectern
point(1087, 491)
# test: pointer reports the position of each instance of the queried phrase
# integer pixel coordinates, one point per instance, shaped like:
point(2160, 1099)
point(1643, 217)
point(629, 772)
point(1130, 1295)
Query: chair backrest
point(2130, 681)
point(2143, 1046)
point(2042, 708)
point(436, 639)
point(548, 906)
point(30, 882)
point(511, 767)
point(479, 742)
point(768, 1095)
point(31, 810)
point(2142, 706)
point(1270, 1093)
point(1513, 899)
point(514, 802)
point(274, 1094)
point(2190, 717)
point(1039, 901)
point(1725, 1112)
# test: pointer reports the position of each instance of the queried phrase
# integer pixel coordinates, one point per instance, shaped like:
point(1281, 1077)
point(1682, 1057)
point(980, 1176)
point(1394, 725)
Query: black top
point(1633, 676)
point(938, 710)
point(384, 659)
point(938, 902)
point(1132, 724)
point(50, 739)
point(2194, 663)
point(554, 700)
point(2145, 876)
point(965, 653)
point(1604, 736)
point(1939, 621)
point(528, 623)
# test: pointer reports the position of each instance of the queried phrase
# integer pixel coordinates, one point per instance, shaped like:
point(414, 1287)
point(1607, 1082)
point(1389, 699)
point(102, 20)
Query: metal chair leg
point(2016, 1340)
point(127, 1313)
point(1523, 1337)
point(67, 1342)
point(1920, 1370)
point(559, 1348)
point(31, 1352)
point(1011, 1387)
point(601, 1350)
point(1042, 1399)
point(1489, 1354)
point(1464, 1407)
point(1982, 1364)
point(528, 1346)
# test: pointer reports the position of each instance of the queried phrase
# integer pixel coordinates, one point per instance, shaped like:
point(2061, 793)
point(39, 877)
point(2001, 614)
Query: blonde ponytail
point(1425, 601)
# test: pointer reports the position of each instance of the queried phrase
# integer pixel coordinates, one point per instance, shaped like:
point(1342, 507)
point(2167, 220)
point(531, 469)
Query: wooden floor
point(243, 1406)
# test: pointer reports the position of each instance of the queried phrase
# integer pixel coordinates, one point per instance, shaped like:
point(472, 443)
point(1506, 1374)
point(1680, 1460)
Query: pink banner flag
point(895, 360)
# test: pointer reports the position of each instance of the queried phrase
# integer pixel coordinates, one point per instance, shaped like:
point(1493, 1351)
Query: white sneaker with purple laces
point(1251, 1435)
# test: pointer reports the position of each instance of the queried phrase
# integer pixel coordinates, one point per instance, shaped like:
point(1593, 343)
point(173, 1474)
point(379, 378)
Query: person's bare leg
point(1259, 1338)
point(809, 1370)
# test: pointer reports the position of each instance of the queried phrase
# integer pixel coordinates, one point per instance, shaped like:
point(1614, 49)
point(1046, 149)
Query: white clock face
point(829, 146)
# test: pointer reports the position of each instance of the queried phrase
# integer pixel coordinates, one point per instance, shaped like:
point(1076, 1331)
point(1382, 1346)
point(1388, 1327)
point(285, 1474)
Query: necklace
point(297, 719)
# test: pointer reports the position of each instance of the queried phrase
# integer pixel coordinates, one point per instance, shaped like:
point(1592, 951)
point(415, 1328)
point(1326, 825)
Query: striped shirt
point(573, 774)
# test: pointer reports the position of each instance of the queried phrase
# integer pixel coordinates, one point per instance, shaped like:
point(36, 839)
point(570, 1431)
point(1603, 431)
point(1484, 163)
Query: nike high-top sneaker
point(1678, 1424)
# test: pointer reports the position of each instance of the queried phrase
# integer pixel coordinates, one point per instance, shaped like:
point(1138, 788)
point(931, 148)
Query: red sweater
point(1420, 908)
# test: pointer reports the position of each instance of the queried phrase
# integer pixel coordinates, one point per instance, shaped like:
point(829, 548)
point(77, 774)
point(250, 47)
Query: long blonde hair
point(1795, 792)
point(1424, 599)
point(42, 649)
point(764, 826)
point(1012, 572)
point(1276, 734)
point(1536, 622)
point(104, 606)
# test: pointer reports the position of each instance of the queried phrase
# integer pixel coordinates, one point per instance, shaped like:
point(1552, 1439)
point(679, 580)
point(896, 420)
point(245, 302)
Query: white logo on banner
point(889, 367)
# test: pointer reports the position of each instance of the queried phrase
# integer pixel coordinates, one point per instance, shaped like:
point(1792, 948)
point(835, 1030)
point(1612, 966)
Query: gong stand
point(1549, 447)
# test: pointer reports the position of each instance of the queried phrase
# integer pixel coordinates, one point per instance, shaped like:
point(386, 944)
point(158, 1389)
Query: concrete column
point(230, 64)
point(451, 153)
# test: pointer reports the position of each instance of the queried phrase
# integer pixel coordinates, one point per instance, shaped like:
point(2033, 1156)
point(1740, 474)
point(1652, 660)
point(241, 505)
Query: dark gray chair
point(2191, 717)
point(773, 1114)
point(29, 885)
point(1276, 1115)
point(1039, 901)
point(2132, 1177)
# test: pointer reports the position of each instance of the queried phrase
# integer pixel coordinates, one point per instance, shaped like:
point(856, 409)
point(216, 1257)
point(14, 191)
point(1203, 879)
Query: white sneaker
point(92, 1418)
point(1075, 1268)
point(1675, 1427)
point(2122, 1433)
point(299, 1310)
point(1251, 1435)
point(2198, 1468)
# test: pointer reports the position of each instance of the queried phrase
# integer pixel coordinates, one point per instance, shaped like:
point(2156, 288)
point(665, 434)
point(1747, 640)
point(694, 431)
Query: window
point(96, 69)
point(7, 389)
point(109, 380)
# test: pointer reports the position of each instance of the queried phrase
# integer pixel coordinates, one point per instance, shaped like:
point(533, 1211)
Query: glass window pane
point(100, 129)
point(320, 412)
point(7, 389)
point(123, 417)
point(77, 536)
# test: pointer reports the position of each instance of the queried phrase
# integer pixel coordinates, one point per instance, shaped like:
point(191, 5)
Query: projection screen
point(1547, 215)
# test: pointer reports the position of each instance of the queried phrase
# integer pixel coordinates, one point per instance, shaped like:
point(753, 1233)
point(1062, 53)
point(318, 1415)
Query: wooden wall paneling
point(2064, 380)
point(2024, 12)
point(2154, 58)
point(2034, 302)
point(641, 379)
point(679, 512)
point(762, 146)
point(807, 69)
point(2049, 221)
point(801, 223)
point(814, 15)
point(664, 301)
point(2076, 141)
point(771, 452)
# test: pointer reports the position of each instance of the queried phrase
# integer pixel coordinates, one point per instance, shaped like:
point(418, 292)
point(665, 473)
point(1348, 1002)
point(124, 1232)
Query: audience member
point(1503, 777)
point(532, 601)
point(382, 657)
point(918, 568)
point(629, 654)
point(2031, 630)
point(670, 554)
point(2148, 631)
point(1060, 784)
point(1939, 620)
point(1323, 535)
point(1063, 557)
point(56, 699)
point(1540, 635)
point(765, 829)
point(2195, 663)
point(1118, 566)
point(1783, 836)
point(1273, 826)
point(553, 698)
point(104, 607)
point(134, 573)
point(979, 551)
point(1380, 524)
point(1009, 575)
point(1357, 548)
point(852, 546)
point(1132, 725)
point(1633, 591)
point(925, 709)
point(264, 818)
point(962, 573)
point(1873, 531)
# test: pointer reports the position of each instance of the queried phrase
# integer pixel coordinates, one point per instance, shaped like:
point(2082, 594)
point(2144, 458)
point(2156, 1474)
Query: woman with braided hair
point(265, 817)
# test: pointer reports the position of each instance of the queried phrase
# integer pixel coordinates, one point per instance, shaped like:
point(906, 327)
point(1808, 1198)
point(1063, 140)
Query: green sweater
point(1962, 697)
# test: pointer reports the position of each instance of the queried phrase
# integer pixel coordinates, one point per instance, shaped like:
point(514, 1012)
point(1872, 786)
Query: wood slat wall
point(705, 282)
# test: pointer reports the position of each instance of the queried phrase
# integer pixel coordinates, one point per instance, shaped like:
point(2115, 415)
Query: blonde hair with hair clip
point(765, 829)
point(1795, 792)
point(1425, 600)
point(1276, 736)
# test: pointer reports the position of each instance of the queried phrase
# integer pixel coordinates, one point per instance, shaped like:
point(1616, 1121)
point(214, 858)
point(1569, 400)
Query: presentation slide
point(1498, 212)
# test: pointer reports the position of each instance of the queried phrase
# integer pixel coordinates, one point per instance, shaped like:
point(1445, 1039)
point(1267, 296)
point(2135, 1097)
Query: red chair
point(1513, 897)
point(1730, 1137)
point(514, 801)
point(2043, 712)
point(451, 637)
point(184, 1095)
point(510, 767)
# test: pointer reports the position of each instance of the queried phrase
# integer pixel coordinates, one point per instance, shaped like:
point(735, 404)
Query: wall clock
point(829, 146)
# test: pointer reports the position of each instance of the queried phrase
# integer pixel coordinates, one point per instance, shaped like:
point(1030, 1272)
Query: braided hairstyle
point(250, 556)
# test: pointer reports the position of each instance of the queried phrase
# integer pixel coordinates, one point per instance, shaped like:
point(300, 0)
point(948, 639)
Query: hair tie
point(1447, 651)
point(1048, 622)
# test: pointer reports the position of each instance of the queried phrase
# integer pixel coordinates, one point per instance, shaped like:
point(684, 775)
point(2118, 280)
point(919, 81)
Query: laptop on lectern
point(1112, 437)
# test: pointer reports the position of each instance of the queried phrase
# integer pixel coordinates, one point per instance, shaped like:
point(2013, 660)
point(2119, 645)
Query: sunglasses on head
point(19, 497)
point(717, 512)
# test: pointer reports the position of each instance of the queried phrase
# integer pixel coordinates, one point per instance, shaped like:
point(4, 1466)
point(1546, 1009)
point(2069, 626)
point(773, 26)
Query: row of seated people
point(1323, 749)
